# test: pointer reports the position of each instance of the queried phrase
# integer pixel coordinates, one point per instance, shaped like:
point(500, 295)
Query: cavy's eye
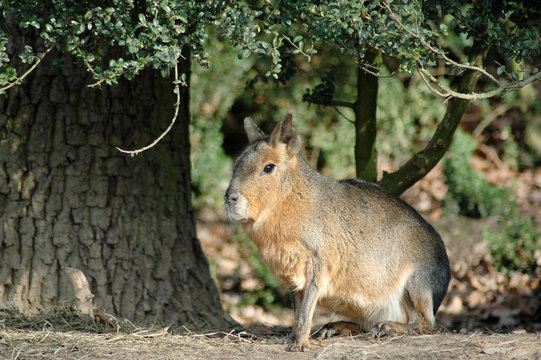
point(269, 168)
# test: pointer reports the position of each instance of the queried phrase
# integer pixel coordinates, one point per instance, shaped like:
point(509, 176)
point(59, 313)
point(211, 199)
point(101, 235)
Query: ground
point(17, 344)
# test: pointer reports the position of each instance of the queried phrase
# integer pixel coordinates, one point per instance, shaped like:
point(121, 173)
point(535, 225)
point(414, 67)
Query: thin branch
point(334, 103)
point(493, 115)
point(91, 70)
point(422, 73)
point(370, 69)
point(448, 93)
point(177, 107)
point(343, 115)
point(296, 47)
point(436, 51)
point(20, 79)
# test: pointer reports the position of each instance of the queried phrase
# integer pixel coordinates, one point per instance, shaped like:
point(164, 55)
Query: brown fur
point(348, 245)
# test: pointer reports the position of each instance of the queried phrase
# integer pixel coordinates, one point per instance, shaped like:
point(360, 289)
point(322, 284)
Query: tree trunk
point(68, 198)
point(365, 121)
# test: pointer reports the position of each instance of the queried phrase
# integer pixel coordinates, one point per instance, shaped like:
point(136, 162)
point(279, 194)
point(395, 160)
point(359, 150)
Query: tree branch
point(177, 106)
point(93, 72)
point(343, 115)
point(374, 70)
point(334, 103)
point(422, 162)
point(490, 117)
point(337, 103)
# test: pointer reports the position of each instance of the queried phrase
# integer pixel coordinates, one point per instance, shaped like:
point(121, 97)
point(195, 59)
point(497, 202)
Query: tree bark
point(68, 198)
point(365, 121)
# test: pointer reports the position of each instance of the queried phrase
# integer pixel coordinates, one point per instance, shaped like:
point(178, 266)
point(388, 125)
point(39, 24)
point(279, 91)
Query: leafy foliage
point(211, 168)
point(323, 92)
point(145, 34)
point(512, 27)
point(152, 33)
point(414, 32)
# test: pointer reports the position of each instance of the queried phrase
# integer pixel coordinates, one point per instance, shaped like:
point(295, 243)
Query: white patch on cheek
point(243, 206)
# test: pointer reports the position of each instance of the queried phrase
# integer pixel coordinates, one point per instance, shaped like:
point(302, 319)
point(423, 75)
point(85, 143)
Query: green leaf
point(244, 53)
point(142, 19)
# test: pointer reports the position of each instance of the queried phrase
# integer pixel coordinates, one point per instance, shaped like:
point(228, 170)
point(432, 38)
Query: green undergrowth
point(514, 244)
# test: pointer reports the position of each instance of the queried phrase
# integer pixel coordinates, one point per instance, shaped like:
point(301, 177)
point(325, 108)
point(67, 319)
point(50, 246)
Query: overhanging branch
point(425, 160)
point(440, 89)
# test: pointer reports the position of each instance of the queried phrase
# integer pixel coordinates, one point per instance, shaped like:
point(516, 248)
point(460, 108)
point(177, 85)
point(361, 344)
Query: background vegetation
point(420, 60)
point(500, 130)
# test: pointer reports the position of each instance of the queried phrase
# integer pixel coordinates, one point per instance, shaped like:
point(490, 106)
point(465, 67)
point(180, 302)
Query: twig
point(333, 103)
point(91, 69)
point(20, 79)
point(370, 69)
point(492, 155)
point(469, 337)
point(296, 47)
point(320, 355)
point(152, 332)
point(385, 342)
point(493, 115)
point(177, 106)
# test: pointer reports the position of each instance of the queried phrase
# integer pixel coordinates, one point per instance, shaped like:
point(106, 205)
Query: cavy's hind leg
point(417, 304)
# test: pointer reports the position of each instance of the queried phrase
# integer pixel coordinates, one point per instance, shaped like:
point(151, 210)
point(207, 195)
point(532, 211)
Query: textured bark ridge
point(68, 198)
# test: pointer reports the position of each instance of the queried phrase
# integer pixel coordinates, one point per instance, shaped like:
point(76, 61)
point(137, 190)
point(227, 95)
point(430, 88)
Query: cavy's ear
point(254, 133)
point(285, 133)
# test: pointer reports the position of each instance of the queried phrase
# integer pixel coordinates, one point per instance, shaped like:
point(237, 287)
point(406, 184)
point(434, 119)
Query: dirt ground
point(19, 344)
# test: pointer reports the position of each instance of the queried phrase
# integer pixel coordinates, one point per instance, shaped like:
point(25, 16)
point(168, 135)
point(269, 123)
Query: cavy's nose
point(231, 197)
